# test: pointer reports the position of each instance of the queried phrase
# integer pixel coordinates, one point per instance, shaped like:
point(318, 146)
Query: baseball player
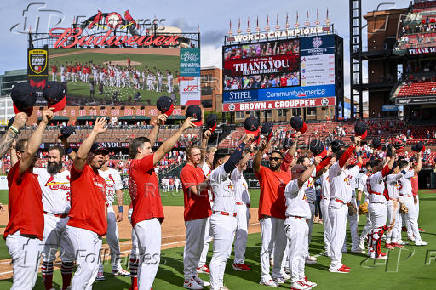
point(223, 220)
point(325, 201)
point(362, 178)
point(206, 166)
point(407, 198)
point(87, 222)
point(56, 198)
point(393, 215)
point(377, 205)
point(340, 196)
point(24, 231)
point(147, 213)
point(242, 196)
point(197, 212)
point(169, 82)
point(114, 187)
point(271, 214)
point(296, 224)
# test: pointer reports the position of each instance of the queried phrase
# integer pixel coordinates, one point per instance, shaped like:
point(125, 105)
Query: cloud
point(211, 56)
point(213, 37)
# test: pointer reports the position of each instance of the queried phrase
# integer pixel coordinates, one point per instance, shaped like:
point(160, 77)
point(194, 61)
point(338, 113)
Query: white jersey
point(340, 182)
point(361, 181)
point(56, 194)
point(241, 187)
point(113, 183)
point(392, 185)
point(206, 170)
point(296, 201)
point(405, 184)
point(376, 187)
point(222, 187)
point(325, 185)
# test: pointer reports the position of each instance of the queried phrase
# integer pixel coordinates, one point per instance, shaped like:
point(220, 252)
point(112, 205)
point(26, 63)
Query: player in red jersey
point(87, 223)
point(147, 213)
point(24, 231)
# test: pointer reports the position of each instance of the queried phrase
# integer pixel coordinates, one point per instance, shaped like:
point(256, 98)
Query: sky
point(211, 17)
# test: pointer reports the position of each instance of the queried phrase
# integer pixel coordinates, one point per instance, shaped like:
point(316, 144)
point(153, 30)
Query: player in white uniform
point(296, 224)
point(394, 236)
point(362, 188)
point(55, 185)
point(377, 205)
point(223, 220)
point(407, 198)
point(340, 196)
point(325, 201)
point(114, 187)
point(170, 82)
point(242, 196)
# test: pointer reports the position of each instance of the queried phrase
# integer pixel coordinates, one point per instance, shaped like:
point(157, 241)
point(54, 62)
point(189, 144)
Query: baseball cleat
point(192, 284)
point(389, 246)
point(357, 251)
point(300, 285)
point(341, 270)
point(381, 257)
point(421, 230)
point(201, 282)
point(397, 245)
point(345, 267)
point(121, 272)
point(100, 276)
point(412, 239)
point(309, 283)
point(241, 267)
point(203, 269)
point(421, 243)
point(269, 283)
point(279, 280)
point(311, 260)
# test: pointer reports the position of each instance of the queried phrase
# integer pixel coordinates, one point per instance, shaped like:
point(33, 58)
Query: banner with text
point(284, 104)
point(189, 81)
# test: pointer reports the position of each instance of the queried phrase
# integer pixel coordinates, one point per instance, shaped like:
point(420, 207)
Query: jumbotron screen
point(279, 74)
point(106, 76)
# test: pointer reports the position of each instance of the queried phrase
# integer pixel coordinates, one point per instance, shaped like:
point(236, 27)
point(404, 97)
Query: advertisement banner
point(190, 91)
point(279, 94)
point(284, 104)
point(190, 62)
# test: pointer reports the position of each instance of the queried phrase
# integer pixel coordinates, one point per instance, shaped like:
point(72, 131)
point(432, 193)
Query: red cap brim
point(170, 110)
point(303, 128)
point(364, 135)
point(212, 129)
point(59, 106)
point(199, 123)
point(323, 153)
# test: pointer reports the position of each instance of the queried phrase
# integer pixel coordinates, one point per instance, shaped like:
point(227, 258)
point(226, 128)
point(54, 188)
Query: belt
point(226, 213)
point(60, 215)
point(240, 203)
point(294, 216)
point(338, 200)
point(377, 202)
point(407, 195)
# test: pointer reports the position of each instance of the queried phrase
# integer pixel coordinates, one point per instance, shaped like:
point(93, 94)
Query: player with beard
point(271, 213)
point(24, 232)
point(55, 185)
point(87, 223)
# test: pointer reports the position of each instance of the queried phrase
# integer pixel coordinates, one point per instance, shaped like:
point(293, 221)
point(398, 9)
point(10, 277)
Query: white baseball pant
point(25, 253)
point(134, 251)
point(412, 219)
point(207, 239)
point(366, 229)
point(378, 214)
point(194, 245)
point(394, 235)
point(338, 220)
point(353, 223)
point(272, 231)
point(223, 229)
point(149, 234)
point(112, 238)
point(324, 205)
point(310, 221)
point(55, 237)
point(297, 231)
point(241, 235)
point(86, 246)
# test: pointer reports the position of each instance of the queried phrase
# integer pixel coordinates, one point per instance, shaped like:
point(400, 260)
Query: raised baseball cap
point(376, 143)
point(298, 124)
point(361, 129)
point(211, 122)
point(336, 145)
point(165, 105)
point(97, 148)
point(418, 147)
point(316, 146)
point(266, 130)
point(23, 97)
point(55, 94)
point(194, 111)
point(251, 126)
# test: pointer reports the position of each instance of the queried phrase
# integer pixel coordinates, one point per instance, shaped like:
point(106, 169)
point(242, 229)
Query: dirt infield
point(158, 51)
point(173, 233)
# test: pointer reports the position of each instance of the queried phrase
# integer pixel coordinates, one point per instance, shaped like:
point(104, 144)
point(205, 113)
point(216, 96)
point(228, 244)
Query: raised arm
point(237, 154)
point(258, 157)
point(161, 119)
point(305, 175)
point(12, 134)
point(35, 141)
point(82, 153)
point(419, 164)
point(171, 142)
point(203, 146)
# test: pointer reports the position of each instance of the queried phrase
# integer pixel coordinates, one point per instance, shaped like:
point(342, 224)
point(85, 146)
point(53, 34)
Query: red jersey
point(144, 190)
point(25, 204)
point(196, 207)
point(272, 188)
point(54, 68)
point(414, 184)
point(88, 201)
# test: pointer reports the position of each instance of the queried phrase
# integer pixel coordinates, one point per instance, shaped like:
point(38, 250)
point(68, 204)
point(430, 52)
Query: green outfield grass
point(151, 62)
point(411, 268)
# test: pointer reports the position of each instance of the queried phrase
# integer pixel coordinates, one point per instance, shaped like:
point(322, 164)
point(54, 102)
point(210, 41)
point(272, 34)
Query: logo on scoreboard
point(317, 42)
point(37, 62)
